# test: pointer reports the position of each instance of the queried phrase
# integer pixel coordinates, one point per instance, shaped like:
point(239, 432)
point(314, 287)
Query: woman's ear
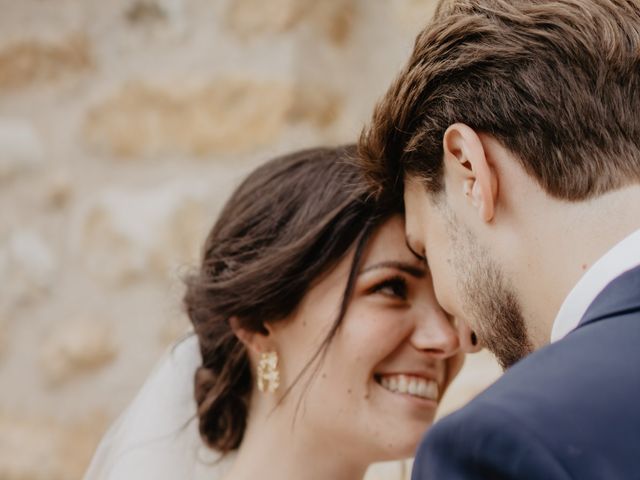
point(259, 341)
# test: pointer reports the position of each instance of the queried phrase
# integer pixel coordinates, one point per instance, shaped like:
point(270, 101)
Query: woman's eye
point(392, 287)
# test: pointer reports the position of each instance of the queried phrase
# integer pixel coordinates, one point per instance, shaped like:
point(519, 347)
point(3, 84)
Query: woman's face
point(386, 369)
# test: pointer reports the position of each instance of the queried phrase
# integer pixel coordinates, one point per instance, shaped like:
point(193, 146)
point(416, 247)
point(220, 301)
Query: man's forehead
point(416, 200)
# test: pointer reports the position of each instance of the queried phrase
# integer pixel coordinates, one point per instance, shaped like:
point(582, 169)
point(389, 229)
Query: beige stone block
point(4, 337)
point(76, 347)
point(173, 329)
point(227, 115)
point(144, 12)
point(335, 19)
point(33, 60)
point(27, 268)
point(330, 19)
point(35, 448)
point(21, 147)
point(317, 105)
point(413, 14)
point(59, 190)
point(160, 20)
point(248, 18)
point(126, 235)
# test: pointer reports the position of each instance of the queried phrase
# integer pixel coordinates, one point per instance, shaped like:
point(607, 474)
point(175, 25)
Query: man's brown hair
point(556, 82)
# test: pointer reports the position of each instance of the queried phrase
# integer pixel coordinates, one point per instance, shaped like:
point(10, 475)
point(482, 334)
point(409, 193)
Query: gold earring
point(268, 373)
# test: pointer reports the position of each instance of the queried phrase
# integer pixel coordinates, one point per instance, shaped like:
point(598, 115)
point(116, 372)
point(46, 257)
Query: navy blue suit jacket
point(568, 411)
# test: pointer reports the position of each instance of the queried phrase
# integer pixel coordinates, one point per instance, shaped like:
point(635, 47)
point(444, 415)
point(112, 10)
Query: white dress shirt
point(621, 258)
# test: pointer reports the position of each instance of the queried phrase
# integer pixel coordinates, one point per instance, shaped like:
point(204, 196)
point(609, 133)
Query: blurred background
point(124, 125)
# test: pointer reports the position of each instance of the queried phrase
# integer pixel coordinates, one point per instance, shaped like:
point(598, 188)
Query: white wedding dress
point(157, 436)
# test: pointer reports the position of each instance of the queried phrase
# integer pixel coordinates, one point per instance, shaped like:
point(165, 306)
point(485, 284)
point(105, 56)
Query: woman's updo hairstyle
point(287, 224)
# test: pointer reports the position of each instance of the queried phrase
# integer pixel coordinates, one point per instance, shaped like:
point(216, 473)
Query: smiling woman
point(322, 346)
point(394, 354)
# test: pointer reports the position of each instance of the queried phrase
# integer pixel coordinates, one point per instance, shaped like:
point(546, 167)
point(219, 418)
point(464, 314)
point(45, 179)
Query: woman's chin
point(403, 443)
point(407, 418)
point(397, 452)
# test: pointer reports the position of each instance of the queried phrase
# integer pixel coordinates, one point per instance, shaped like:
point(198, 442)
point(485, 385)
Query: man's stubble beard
point(489, 302)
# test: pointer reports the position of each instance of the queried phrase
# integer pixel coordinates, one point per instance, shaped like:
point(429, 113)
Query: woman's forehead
point(389, 243)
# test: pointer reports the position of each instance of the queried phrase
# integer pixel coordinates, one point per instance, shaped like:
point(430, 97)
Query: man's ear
point(256, 341)
point(473, 176)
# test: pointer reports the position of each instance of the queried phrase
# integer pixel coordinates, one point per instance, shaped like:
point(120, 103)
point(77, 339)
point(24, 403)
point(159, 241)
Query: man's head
point(499, 98)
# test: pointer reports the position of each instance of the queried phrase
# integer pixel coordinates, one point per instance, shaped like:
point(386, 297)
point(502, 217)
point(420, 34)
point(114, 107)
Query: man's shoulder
point(593, 370)
point(573, 402)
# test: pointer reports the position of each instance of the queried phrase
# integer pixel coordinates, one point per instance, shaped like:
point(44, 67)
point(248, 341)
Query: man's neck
point(565, 240)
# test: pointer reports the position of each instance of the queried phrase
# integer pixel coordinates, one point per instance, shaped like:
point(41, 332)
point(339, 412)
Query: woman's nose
point(435, 334)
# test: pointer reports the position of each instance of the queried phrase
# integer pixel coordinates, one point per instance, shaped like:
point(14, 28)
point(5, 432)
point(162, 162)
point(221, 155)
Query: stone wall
point(123, 126)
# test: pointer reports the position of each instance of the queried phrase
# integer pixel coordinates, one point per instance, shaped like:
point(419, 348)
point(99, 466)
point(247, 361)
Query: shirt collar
point(622, 257)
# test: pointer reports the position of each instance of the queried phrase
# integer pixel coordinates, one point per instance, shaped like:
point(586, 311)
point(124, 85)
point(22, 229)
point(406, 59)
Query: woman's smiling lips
point(410, 384)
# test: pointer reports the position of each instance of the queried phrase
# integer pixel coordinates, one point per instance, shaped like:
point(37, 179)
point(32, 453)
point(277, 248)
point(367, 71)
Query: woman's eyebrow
point(418, 272)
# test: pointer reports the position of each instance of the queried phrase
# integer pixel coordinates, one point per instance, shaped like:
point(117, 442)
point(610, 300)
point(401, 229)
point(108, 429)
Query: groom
point(513, 135)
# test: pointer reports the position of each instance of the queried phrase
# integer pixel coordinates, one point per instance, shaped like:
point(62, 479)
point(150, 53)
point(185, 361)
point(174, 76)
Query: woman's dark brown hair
point(287, 224)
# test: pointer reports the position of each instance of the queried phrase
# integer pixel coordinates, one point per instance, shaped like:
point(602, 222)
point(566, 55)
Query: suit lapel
point(621, 296)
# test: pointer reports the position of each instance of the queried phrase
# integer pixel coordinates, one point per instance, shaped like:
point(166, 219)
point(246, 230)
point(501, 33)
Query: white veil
point(157, 436)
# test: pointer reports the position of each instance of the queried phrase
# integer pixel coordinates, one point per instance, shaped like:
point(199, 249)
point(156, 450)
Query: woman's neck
point(273, 448)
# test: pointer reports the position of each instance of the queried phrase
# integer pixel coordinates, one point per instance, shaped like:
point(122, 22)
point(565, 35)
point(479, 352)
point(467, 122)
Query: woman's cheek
point(382, 332)
point(373, 317)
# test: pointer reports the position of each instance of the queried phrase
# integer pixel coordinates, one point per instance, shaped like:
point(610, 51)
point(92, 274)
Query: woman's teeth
point(416, 386)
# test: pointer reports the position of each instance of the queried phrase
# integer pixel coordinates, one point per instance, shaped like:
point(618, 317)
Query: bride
point(319, 347)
